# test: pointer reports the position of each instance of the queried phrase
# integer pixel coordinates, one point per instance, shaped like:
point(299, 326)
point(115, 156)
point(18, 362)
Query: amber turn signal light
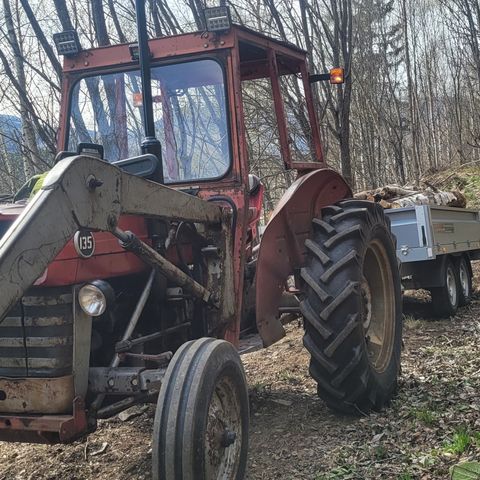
point(337, 76)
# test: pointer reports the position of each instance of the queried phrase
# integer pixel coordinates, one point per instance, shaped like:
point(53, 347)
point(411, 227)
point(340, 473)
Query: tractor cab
point(196, 83)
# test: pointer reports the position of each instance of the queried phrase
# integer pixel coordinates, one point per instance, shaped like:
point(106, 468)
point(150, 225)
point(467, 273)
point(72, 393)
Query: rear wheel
point(201, 422)
point(464, 272)
point(352, 307)
point(445, 298)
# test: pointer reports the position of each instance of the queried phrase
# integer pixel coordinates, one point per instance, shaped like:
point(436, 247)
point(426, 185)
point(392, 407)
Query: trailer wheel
point(201, 424)
point(352, 307)
point(464, 272)
point(445, 299)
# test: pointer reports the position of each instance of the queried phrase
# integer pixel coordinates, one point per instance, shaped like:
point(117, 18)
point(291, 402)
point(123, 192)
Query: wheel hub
point(223, 433)
point(451, 286)
point(464, 281)
point(228, 438)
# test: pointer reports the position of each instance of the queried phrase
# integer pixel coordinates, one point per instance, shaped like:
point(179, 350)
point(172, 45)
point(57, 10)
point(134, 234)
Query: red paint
point(110, 259)
point(282, 250)
point(45, 428)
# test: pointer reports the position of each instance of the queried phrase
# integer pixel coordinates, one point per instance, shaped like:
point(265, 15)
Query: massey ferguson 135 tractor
point(123, 279)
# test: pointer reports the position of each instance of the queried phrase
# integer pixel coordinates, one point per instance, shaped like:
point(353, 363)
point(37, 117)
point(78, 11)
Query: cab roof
point(253, 47)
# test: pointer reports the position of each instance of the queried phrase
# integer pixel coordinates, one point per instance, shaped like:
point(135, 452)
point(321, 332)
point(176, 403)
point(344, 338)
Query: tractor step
point(250, 343)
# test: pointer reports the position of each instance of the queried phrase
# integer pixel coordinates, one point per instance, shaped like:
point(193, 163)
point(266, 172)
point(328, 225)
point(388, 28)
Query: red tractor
point(128, 277)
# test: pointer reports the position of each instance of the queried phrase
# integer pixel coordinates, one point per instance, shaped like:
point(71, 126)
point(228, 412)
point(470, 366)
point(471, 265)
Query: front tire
point(201, 422)
point(352, 307)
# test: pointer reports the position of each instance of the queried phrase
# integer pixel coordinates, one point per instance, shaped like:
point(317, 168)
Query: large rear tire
point(352, 307)
point(201, 422)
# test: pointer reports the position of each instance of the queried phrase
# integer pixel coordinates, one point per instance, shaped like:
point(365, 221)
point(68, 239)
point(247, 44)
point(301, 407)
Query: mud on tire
point(352, 307)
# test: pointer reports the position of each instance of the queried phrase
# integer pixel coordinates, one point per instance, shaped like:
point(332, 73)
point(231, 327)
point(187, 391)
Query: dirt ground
point(433, 423)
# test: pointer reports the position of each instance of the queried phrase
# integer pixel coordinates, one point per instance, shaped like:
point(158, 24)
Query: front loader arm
point(83, 192)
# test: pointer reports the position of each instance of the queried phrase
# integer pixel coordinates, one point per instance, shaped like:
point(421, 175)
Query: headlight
point(92, 299)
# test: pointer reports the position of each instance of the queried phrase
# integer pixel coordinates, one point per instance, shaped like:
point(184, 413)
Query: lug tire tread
point(332, 302)
point(181, 403)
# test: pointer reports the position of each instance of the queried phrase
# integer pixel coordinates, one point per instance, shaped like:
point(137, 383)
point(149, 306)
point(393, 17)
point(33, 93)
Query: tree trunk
point(411, 94)
point(32, 156)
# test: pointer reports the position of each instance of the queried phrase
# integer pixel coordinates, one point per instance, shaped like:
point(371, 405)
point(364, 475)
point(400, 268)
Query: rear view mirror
point(253, 184)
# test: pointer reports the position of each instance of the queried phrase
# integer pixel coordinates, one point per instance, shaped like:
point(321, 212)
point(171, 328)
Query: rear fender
point(282, 248)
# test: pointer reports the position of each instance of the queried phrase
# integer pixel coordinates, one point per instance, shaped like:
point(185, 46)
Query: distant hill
point(10, 129)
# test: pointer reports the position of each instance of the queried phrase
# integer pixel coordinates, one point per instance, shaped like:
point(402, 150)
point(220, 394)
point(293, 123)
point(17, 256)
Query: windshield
point(189, 112)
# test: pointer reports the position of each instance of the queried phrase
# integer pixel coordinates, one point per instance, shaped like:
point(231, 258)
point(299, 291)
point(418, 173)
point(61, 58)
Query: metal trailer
point(435, 246)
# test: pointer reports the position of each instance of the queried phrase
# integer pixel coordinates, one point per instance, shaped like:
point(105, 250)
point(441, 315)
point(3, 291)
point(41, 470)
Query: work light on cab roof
point(217, 19)
point(67, 43)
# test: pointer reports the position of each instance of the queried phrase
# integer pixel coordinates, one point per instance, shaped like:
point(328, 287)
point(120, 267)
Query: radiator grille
point(36, 337)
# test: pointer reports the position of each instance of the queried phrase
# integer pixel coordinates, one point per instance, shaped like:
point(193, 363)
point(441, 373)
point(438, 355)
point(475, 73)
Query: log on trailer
point(394, 196)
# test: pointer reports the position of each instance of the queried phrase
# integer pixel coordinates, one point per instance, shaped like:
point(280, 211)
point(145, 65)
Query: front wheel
point(352, 307)
point(201, 422)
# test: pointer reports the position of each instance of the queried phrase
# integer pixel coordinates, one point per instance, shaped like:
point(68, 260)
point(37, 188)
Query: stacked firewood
point(393, 196)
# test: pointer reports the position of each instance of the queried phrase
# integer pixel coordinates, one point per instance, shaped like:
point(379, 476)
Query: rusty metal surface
point(36, 395)
point(76, 206)
point(288, 59)
point(33, 241)
point(282, 248)
point(45, 428)
point(171, 271)
point(176, 45)
point(234, 240)
point(124, 380)
point(115, 380)
point(253, 37)
point(69, 269)
point(220, 281)
point(164, 47)
point(129, 329)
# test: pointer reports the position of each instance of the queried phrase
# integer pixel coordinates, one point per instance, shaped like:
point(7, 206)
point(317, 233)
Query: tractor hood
point(108, 260)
